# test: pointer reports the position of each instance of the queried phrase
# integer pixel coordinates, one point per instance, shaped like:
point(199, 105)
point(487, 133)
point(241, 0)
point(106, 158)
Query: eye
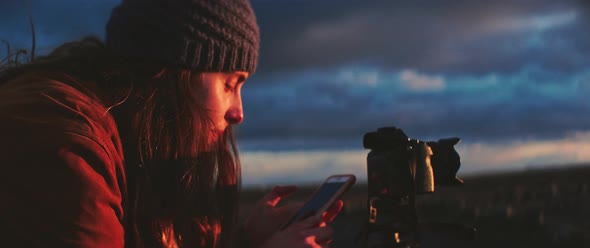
point(230, 86)
point(233, 82)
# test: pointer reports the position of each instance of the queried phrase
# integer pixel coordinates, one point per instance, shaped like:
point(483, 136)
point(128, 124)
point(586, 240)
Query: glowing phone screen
point(321, 197)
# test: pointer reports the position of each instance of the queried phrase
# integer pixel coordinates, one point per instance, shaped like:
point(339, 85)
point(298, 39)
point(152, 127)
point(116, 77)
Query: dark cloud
point(497, 122)
point(56, 22)
point(333, 114)
point(434, 36)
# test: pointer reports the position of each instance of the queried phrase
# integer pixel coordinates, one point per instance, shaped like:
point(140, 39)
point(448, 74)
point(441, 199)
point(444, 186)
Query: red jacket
point(62, 179)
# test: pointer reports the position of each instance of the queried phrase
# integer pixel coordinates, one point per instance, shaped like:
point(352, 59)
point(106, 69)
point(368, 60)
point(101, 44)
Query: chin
point(216, 135)
point(220, 132)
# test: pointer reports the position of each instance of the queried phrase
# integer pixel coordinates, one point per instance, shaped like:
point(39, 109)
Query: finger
point(277, 193)
point(322, 234)
point(324, 243)
point(333, 211)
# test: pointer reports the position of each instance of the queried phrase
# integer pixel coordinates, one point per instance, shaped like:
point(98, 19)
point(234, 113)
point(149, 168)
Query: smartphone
point(330, 191)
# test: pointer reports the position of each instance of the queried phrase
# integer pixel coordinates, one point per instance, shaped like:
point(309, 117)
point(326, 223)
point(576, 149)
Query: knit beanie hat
point(200, 35)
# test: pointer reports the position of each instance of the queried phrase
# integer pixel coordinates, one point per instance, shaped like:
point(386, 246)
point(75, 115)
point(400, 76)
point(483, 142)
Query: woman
point(129, 143)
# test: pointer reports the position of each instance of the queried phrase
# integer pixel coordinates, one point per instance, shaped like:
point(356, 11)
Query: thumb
point(333, 211)
point(277, 193)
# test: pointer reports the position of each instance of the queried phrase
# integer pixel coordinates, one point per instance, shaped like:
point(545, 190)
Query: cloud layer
point(459, 36)
point(349, 101)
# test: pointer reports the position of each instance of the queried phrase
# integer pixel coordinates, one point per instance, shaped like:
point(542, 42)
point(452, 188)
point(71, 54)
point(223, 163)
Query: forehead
point(210, 79)
point(235, 74)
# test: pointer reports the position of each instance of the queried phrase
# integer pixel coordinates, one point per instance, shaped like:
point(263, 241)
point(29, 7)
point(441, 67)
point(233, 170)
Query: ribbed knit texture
point(201, 35)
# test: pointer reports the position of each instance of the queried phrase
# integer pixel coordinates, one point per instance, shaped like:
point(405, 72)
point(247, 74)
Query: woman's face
point(220, 94)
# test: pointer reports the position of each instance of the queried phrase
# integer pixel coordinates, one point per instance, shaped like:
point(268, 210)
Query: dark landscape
point(534, 208)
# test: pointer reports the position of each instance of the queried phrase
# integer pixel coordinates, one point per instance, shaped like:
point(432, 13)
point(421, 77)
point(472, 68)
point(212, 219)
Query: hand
point(267, 218)
point(308, 233)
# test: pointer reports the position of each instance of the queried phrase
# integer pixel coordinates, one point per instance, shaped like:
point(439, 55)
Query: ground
point(537, 208)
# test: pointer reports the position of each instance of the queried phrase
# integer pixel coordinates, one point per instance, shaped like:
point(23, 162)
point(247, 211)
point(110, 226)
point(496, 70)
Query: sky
point(510, 78)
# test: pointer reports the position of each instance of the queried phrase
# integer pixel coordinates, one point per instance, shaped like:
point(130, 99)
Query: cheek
point(209, 99)
point(218, 104)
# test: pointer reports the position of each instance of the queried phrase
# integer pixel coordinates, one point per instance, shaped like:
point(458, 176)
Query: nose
point(235, 114)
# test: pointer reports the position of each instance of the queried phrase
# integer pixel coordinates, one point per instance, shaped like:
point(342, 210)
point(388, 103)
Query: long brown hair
point(182, 188)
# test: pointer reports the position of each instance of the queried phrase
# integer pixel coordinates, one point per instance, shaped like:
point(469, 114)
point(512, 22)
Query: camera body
point(398, 165)
point(398, 169)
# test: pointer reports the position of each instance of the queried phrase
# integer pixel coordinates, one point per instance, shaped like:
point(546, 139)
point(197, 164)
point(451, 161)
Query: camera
point(398, 169)
point(398, 165)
